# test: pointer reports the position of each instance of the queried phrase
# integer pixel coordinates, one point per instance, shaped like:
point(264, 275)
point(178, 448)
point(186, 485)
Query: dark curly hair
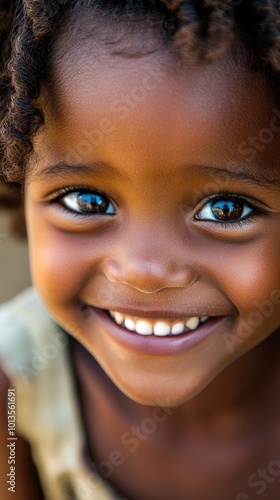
point(198, 30)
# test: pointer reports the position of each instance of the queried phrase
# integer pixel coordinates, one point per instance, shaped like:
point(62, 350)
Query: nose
point(150, 265)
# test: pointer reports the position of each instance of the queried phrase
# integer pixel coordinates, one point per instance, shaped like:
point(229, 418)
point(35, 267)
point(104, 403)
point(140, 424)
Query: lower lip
point(151, 344)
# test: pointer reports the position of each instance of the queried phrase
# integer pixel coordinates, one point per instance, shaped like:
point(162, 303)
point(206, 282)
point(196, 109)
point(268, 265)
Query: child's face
point(186, 224)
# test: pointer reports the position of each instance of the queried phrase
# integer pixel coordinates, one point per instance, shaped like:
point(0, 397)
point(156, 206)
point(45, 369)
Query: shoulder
point(24, 308)
point(28, 339)
point(29, 335)
point(16, 320)
point(19, 314)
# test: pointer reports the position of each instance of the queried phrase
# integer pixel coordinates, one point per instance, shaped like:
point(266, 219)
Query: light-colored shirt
point(35, 355)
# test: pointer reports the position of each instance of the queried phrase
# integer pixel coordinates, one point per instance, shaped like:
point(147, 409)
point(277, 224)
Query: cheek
point(250, 273)
point(59, 262)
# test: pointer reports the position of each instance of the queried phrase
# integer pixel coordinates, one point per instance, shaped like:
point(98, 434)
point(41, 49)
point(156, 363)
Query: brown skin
point(155, 254)
point(206, 454)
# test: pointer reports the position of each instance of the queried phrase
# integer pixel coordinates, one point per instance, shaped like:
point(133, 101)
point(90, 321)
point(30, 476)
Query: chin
point(161, 393)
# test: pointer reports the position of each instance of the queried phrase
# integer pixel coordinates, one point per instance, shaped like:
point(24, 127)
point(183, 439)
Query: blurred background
point(14, 265)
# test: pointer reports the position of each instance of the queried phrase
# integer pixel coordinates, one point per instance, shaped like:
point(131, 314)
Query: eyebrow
point(254, 178)
point(62, 171)
point(99, 168)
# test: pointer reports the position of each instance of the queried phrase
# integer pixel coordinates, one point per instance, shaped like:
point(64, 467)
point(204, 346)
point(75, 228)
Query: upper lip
point(160, 313)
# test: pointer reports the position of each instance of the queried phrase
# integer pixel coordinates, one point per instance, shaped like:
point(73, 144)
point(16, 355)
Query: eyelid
point(60, 193)
point(231, 223)
point(253, 203)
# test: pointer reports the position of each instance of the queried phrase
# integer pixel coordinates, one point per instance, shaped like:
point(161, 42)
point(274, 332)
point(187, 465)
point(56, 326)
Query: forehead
point(152, 102)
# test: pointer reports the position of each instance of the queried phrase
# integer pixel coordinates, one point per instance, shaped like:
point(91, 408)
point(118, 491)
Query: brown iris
point(93, 203)
point(227, 210)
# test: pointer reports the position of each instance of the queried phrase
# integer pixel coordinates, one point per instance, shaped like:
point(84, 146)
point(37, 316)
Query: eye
point(225, 210)
point(89, 203)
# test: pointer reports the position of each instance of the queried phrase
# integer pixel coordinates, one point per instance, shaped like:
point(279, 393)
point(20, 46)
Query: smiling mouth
point(159, 328)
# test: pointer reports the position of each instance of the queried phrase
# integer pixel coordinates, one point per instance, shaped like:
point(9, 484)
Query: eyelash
point(237, 197)
point(60, 193)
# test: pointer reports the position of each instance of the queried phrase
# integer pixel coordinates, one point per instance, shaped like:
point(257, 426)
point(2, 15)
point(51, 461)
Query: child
point(144, 139)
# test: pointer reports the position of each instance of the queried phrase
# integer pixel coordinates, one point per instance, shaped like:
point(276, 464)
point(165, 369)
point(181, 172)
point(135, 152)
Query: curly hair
point(200, 31)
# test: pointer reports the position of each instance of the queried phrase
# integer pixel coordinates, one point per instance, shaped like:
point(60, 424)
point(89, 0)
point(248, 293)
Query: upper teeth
point(159, 328)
